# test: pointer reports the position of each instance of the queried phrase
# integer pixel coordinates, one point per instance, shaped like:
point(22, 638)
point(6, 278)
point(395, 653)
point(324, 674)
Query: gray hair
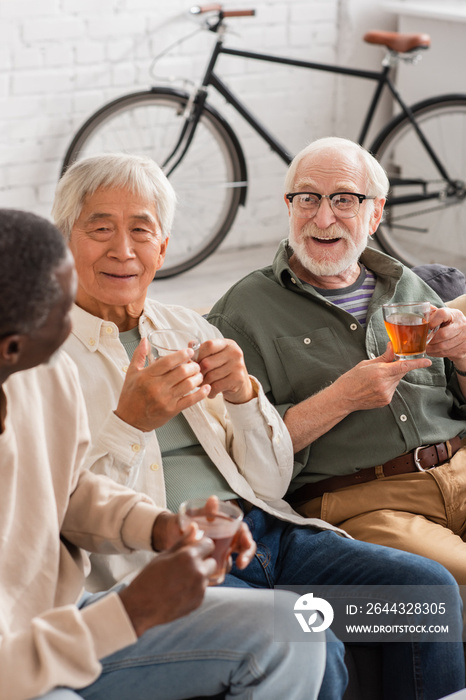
point(377, 183)
point(140, 174)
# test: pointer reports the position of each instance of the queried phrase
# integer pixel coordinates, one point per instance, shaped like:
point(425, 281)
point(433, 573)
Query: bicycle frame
point(420, 147)
point(381, 78)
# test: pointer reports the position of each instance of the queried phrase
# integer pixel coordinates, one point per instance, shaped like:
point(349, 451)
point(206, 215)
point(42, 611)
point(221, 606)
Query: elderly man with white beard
point(376, 441)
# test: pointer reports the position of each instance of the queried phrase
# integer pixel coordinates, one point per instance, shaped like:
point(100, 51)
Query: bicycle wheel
point(432, 230)
point(210, 180)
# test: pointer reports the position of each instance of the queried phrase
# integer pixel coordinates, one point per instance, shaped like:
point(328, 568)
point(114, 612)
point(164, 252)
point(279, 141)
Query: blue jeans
point(291, 555)
point(226, 645)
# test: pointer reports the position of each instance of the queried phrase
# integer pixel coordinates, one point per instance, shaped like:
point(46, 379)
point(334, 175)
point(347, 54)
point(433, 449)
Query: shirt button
point(307, 341)
point(276, 440)
point(372, 356)
point(135, 447)
point(124, 368)
point(91, 342)
point(293, 281)
point(403, 418)
point(154, 467)
point(109, 330)
point(354, 326)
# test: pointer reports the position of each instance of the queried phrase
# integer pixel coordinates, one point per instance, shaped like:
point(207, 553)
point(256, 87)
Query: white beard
point(326, 268)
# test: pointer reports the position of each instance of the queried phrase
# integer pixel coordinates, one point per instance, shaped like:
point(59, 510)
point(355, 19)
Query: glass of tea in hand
point(220, 523)
point(167, 340)
point(408, 328)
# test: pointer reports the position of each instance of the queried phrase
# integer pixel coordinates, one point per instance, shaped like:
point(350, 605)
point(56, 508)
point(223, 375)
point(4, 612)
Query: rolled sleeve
point(118, 451)
point(261, 445)
point(136, 532)
point(258, 414)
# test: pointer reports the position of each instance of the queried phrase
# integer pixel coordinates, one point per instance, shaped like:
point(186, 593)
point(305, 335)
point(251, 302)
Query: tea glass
point(167, 340)
point(220, 525)
point(407, 326)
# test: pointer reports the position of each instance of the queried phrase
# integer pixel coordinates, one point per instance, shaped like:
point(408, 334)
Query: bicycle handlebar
point(214, 7)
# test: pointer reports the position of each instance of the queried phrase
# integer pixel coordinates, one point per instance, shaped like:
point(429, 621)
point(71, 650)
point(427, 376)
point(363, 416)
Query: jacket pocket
point(428, 376)
point(312, 361)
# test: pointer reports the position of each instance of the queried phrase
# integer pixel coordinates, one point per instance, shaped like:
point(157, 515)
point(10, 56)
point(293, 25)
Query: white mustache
point(310, 230)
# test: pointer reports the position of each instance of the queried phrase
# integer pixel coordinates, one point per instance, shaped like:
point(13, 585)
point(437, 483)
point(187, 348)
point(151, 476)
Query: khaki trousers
point(422, 512)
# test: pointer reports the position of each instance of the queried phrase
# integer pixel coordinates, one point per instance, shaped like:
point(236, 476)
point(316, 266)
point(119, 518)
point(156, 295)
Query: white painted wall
point(441, 70)
point(62, 59)
point(358, 17)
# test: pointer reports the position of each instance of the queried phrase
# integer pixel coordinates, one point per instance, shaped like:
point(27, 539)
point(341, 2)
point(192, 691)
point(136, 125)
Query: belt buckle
point(417, 461)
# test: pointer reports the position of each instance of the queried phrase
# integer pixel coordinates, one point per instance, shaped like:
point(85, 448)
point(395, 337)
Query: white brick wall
point(60, 60)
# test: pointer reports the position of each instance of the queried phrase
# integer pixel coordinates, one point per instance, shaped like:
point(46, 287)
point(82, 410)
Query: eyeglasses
point(345, 205)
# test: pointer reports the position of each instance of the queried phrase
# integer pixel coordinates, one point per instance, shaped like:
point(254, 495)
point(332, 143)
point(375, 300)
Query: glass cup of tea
point(167, 340)
point(219, 523)
point(408, 328)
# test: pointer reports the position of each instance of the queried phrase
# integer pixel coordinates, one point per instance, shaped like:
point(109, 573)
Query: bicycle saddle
point(398, 42)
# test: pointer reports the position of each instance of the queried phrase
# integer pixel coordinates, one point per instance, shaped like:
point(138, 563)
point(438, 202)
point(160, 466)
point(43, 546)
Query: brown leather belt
point(420, 459)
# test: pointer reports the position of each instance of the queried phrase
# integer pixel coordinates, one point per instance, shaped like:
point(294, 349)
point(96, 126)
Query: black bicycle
point(423, 150)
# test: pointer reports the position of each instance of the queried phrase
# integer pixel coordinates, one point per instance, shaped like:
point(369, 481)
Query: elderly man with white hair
point(377, 442)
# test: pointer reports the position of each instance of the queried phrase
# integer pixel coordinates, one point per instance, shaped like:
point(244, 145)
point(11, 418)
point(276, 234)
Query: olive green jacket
point(296, 342)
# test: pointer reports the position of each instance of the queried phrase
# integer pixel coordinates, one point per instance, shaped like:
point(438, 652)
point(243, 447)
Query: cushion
point(448, 282)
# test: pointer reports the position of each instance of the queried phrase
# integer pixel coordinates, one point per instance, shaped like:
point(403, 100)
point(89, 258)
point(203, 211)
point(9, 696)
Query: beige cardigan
point(45, 640)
